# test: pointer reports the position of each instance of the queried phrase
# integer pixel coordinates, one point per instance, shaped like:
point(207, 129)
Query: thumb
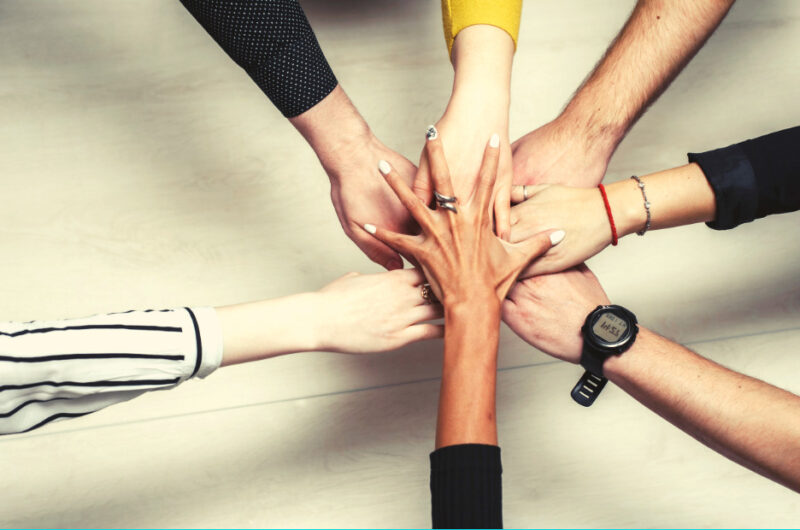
point(540, 243)
point(377, 251)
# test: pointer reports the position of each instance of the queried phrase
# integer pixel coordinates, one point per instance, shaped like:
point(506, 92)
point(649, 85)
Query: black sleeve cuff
point(755, 178)
point(466, 487)
point(274, 43)
point(734, 183)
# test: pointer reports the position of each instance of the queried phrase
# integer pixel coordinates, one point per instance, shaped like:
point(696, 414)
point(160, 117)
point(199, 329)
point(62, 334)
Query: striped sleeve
point(69, 368)
point(460, 14)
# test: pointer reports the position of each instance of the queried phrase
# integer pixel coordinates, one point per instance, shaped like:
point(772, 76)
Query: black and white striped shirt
point(70, 368)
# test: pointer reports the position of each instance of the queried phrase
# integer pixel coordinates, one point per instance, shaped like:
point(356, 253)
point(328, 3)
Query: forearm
point(677, 196)
point(460, 14)
point(657, 41)
point(264, 329)
point(482, 60)
point(469, 374)
point(747, 420)
point(332, 125)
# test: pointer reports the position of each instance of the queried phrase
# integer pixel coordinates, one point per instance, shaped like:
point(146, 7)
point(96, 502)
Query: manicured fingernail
point(431, 133)
point(556, 237)
point(494, 141)
point(371, 228)
point(384, 166)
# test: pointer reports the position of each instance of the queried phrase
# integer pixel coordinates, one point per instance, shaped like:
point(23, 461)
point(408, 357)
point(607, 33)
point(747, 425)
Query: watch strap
point(591, 360)
point(588, 388)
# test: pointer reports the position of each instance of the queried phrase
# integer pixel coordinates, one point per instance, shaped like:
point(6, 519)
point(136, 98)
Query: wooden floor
point(142, 168)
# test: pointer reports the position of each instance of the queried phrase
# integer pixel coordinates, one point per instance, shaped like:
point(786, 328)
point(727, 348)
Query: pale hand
point(463, 143)
point(373, 313)
point(360, 195)
point(578, 211)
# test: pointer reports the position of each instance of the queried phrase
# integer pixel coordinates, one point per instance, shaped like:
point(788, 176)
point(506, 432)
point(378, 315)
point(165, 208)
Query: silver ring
point(446, 202)
point(443, 198)
point(525, 192)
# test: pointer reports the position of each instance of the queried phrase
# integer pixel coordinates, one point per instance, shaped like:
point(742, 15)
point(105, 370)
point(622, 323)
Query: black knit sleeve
point(274, 43)
point(466, 487)
point(754, 178)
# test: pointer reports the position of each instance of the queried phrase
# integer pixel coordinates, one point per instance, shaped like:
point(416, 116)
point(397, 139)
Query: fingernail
point(431, 133)
point(371, 229)
point(494, 141)
point(384, 166)
point(556, 237)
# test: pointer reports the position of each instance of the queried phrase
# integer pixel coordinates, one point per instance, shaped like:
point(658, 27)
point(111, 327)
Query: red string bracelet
point(614, 239)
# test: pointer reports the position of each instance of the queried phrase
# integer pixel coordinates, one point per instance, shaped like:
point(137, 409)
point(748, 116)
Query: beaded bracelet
point(646, 205)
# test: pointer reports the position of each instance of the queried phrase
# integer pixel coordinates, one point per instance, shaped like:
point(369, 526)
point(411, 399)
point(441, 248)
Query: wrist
point(482, 59)
point(597, 136)
point(627, 206)
point(319, 326)
point(333, 125)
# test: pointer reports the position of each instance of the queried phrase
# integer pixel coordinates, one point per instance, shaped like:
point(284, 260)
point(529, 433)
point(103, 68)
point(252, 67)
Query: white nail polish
point(384, 166)
point(370, 228)
point(431, 133)
point(556, 237)
point(494, 141)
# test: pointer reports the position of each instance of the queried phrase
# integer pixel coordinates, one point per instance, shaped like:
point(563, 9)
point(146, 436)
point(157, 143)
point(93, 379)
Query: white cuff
point(210, 338)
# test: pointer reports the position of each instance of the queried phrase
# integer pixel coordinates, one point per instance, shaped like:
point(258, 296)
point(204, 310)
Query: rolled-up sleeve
point(68, 368)
point(753, 179)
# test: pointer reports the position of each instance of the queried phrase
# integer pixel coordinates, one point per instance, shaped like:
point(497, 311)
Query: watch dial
point(609, 327)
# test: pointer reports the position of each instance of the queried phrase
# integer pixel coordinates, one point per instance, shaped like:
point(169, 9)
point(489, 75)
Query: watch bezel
point(602, 345)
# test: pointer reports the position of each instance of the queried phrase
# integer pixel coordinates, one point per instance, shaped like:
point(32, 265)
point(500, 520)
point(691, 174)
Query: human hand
point(458, 251)
point(560, 153)
point(359, 195)
point(463, 141)
point(482, 57)
point(548, 311)
point(374, 312)
point(349, 152)
point(578, 211)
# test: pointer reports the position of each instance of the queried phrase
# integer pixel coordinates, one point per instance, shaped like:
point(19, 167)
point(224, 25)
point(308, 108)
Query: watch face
point(609, 328)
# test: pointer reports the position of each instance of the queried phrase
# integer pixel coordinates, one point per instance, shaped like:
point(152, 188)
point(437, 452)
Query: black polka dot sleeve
point(274, 43)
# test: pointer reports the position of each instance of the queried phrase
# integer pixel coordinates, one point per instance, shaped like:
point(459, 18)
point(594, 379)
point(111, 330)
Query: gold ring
point(427, 294)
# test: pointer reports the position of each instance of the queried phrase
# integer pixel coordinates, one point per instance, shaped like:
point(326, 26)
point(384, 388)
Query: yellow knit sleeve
point(459, 14)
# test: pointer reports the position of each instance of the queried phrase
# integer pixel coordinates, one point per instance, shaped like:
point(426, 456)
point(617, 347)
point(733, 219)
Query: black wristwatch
point(608, 330)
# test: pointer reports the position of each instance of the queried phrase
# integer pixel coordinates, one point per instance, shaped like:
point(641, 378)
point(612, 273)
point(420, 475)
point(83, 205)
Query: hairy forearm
point(747, 420)
point(657, 41)
point(677, 196)
point(469, 375)
point(259, 330)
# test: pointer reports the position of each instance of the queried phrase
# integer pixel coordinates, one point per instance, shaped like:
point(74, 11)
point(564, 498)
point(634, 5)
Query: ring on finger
point(525, 192)
point(427, 294)
point(445, 201)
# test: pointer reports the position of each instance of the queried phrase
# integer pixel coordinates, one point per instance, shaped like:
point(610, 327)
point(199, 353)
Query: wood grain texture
point(142, 168)
point(360, 459)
